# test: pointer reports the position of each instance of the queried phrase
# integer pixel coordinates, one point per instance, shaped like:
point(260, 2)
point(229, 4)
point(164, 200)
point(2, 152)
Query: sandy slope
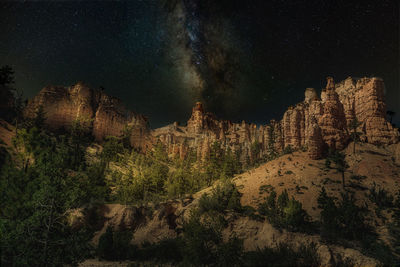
point(302, 177)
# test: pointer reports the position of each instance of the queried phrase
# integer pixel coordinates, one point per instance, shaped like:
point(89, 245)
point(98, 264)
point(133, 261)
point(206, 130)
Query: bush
point(283, 255)
point(288, 150)
point(344, 219)
point(380, 197)
point(223, 197)
point(114, 245)
point(201, 240)
point(167, 250)
point(284, 212)
point(105, 246)
point(294, 214)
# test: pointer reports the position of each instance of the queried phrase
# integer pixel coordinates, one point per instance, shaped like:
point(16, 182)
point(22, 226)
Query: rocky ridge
point(315, 124)
point(103, 115)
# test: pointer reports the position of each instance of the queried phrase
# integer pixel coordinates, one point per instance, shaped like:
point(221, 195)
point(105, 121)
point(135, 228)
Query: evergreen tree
point(354, 134)
point(6, 75)
point(111, 148)
point(7, 93)
point(255, 150)
point(40, 118)
point(79, 139)
point(339, 158)
point(33, 213)
point(271, 143)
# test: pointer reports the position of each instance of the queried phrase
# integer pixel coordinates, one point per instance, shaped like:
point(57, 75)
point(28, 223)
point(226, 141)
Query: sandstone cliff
point(104, 115)
point(316, 124)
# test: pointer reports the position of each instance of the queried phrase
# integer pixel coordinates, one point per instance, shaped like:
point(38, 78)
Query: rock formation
point(317, 123)
point(102, 114)
point(333, 120)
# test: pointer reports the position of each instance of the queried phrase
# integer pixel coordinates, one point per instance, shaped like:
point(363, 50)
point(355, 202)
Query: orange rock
point(102, 114)
point(317, 123)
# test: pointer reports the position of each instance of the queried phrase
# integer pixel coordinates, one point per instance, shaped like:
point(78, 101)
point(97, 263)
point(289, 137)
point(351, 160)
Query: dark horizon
point(244, 60)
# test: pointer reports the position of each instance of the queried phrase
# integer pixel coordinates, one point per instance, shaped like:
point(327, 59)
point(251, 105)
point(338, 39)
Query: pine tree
point(339, 158)
point(355, 136)
point(40, 118)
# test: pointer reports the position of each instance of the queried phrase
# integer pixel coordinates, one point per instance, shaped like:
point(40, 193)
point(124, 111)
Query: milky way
point(245, 59)
point(206, 52)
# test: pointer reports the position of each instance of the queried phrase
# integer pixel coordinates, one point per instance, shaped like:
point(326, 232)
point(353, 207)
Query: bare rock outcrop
point(370, 109)
point(317, 123)
point(333, 120)
point(102, 114)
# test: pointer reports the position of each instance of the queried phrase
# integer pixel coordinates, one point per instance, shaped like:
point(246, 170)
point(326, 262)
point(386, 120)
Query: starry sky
point(245, 60)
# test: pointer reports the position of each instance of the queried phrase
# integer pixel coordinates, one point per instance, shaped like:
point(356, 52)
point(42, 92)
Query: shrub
point(114, 245)
point(105, 246)
point(288, 150)
point(167, 250)
point(344, 219)
point(294, 214)
point(283, 255)
point(223, 197)
point(284, 212)
point(380, 197)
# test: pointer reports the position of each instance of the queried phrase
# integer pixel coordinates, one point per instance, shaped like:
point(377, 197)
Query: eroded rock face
point(102, 114)
point(370, 109)
point(316, 124)
point(333, 120)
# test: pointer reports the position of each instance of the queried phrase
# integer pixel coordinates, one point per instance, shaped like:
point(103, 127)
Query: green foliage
point(375, 248)
point(220, 164)
point(271, 143)
point(294, 214)
point(155, 177)
point(342, 219)
point(36, 192)
point(354, 134)
point(10, 98)
point(288, 150)
point(114, 245)
point(40, 118)
point(284, 212)
point(167, 250)
point(283, 255)
point(255, 150)
point(203, 243)
point(380, 197)
point(160, 153)
point(126, 137)
point(339, 159)
point(223, 197)
point(78, 139)
point(106, 244)
point(394, 226)
point(111, 148)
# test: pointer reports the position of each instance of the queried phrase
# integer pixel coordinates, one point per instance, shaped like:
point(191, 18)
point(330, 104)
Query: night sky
point(243, 59)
